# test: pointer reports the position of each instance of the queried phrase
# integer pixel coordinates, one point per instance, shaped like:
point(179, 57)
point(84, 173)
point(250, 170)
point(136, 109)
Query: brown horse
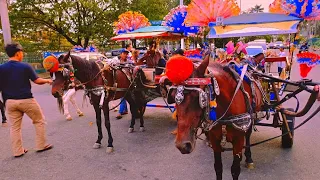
point(191, 115)
point(103, 83)
point(4, 119)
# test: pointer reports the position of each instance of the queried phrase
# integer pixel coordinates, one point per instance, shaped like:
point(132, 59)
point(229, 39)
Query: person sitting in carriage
point(153, 58)
point(123, 58)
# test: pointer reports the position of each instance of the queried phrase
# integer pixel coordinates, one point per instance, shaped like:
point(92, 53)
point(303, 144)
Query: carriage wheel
point(286, 141)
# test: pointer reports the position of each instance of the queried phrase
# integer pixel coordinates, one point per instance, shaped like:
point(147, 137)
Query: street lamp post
point(182, 40)
point(5, 22)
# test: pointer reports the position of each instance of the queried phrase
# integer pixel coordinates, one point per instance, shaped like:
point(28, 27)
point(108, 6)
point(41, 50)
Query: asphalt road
point(149, 155)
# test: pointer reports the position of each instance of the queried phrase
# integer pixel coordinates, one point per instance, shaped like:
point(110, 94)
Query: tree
point(256, 9)
point(77, 21)
point(152, 9)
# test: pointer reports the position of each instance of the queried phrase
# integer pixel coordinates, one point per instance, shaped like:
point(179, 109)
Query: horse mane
point(85, 70)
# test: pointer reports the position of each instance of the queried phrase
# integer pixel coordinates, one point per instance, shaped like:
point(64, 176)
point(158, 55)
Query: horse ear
point(203, 66)
point(66, 57)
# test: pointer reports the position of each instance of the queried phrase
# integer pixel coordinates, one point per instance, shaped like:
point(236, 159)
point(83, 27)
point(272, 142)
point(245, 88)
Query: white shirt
point(282, 64)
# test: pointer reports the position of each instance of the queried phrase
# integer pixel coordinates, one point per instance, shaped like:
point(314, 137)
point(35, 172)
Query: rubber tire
point(286, 141)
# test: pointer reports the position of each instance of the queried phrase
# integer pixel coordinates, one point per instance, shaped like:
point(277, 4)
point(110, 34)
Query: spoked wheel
point(286, 141)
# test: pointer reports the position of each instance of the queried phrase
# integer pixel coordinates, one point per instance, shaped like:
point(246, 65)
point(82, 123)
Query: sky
point(246, 4)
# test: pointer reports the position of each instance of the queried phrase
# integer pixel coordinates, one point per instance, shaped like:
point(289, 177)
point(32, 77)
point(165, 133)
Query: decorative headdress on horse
point(51, 64)
point(179, 69)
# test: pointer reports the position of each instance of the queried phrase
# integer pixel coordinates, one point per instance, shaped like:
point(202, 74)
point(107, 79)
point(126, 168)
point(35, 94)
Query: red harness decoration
point(197, 81)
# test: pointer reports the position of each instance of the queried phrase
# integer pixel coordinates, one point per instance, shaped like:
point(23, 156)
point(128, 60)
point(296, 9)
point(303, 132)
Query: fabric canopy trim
point(143, 35)
point(256, 18)
point(149, 32)
point(242, 30)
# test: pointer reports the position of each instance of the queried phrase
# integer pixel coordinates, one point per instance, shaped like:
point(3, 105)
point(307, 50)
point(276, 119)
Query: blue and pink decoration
point(175, 19)
point(306, 9)
point(194, 54)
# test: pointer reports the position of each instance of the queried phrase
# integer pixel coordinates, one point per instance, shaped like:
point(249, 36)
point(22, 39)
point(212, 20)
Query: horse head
point(190, 107)
point(61, 78)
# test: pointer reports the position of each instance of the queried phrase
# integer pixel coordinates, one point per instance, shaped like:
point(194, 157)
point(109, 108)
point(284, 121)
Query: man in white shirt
point(281, 64)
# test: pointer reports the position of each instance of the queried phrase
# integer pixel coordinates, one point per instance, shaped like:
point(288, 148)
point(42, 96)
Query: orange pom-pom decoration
point(51, 64)
point(179, 69)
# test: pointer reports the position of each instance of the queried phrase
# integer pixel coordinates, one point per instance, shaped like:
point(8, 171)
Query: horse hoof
point(80, 114)
point(109, 150)
point(142, 129)
point(174, 132)
point(250, 165)
point(96, 146)
point(69, 118)
point(130, 130)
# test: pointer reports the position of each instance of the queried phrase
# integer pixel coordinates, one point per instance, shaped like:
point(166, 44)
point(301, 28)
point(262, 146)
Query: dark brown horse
point(4, 119)
point(191, 115)
point(103, 83)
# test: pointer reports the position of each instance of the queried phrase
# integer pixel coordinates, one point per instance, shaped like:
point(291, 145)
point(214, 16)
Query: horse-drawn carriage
point(223, 101)
point(231, 99)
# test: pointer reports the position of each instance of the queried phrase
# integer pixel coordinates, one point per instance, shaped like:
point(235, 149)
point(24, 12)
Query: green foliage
point(153, 9)
point(280, 38)
point(252, 38)
point(77, 21)
point(60, 24)
point(256, 9)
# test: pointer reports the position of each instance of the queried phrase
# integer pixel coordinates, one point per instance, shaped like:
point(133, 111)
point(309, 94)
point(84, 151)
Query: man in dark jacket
point(16, 91)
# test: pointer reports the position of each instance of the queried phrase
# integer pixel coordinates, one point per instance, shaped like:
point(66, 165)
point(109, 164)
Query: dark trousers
point(280, 70)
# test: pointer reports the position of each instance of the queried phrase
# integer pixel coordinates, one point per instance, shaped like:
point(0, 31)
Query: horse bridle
point(210, 90)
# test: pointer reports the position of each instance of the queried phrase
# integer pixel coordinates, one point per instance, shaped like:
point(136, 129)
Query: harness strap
point(239, 85)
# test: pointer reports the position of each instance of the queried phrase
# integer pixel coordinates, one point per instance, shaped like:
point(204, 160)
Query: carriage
point(273, 85)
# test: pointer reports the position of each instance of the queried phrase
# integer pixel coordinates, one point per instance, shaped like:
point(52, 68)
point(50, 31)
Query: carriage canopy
point(254, 25)
point(148, 32)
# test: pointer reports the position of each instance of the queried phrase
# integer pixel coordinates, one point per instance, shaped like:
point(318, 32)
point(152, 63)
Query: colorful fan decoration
point(306, 9)
point(276, 7)
point(175, 19)
point(307, 61)
point(130, 21)
point(201, 12)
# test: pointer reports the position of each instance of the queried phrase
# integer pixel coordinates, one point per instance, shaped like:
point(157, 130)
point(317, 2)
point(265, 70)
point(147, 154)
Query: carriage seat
point(151, 79)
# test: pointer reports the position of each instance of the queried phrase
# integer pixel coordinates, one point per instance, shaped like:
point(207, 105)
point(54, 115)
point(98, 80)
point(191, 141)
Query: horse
point(103, 83)
point(4, 119)
point(193, 106)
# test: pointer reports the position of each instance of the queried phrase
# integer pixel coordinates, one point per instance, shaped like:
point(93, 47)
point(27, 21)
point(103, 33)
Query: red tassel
point(304, 70)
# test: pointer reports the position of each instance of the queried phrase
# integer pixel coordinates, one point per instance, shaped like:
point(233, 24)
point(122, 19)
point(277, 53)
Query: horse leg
point(217, 149)
point(97, 109)
point(247, 153)
point(133, 110)
point(218, 167)
point(142, 109)
point(66, 99)
point(108, 126)
point(74, 103)
point(237, 142)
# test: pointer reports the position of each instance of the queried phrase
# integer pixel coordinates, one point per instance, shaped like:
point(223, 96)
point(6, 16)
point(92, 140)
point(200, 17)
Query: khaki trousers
point(15, 111)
